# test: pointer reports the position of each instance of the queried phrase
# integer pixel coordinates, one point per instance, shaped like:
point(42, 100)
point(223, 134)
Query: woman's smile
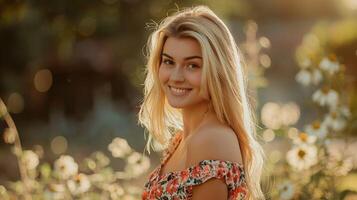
point(176, 91)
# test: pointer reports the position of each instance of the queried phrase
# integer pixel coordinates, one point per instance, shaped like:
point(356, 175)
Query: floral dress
point(178, 184)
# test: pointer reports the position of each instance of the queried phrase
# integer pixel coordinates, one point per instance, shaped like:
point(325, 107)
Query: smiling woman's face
point(180, 72)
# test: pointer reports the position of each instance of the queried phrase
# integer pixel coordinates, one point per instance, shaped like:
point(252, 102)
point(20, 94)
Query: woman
point(195, 98)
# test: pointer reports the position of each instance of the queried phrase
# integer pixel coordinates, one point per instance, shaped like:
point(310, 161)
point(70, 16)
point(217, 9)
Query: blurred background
point(72, 73)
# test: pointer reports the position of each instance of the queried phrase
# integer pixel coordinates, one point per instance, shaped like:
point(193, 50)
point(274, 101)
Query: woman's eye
point(168, 62)
point(192, 66)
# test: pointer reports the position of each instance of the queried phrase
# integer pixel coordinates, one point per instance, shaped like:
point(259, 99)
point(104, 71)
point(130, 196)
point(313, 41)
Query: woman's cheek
point(163, 75)
point(195, 79)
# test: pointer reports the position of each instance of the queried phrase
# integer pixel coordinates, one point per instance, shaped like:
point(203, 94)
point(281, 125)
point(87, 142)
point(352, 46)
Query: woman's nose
point(177, 74)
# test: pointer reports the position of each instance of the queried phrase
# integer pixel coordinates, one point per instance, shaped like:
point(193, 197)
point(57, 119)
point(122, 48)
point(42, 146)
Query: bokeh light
point(38, 149)
point(351, 4)
point(270, 115)
point(293, 132)
point(59, 145)
point(43, 80)
point(274, 115)
point(268, 135)
point(265, 60)
point(312, 40)
point(15, 103)
point(275, 156)
point(290, 113)
point(264, 42)
point(87, 26)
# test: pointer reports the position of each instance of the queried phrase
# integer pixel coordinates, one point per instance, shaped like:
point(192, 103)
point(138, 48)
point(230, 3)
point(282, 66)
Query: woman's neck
point(194, 117)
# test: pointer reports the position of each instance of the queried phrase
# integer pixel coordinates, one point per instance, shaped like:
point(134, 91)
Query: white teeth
point(179, 91)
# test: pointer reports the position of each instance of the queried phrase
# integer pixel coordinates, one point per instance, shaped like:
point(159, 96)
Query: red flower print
point(239, 190)
point(220, 172)
point(157, 190)
point(206, 170)
point(236, 178)
point(234, 169)
point(196, 171)
point(229, 177)
point(184, 176)
point(144, 195)
point(176, 198)
point(171, 187)
point(174, 188)
point(221, 165)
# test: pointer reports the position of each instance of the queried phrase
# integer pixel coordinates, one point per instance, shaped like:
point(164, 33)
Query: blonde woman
point(195, 105)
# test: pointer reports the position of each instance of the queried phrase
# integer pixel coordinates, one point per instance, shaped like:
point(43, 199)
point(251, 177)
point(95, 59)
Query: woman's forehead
point(180, 48)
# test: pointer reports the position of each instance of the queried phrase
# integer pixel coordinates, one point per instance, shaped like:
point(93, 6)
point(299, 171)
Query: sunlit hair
point(223, 77)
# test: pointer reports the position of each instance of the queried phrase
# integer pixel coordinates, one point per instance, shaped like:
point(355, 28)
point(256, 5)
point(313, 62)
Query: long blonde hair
point(223, 77)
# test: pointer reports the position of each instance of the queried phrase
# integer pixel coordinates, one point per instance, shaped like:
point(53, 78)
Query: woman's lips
point(179, 91)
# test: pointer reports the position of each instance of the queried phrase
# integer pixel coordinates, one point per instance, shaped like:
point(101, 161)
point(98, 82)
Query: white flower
point(302, 156)
point(337, 117)
point(286, 190)
point(338, 148)
point(79, 184)
point(55, 191)
point(341, 155)
point(119, 148)
point(30, 159)
point(116, 191)
point(66, 167)
point(303, 77)
point(326, 96)
point(316, 76)
point(101, 159)
point(342, 110)
point(304, 138)
point(330, 64)
point(306, 77)
point(345, 111)
point(335, 121)
point(339, 166)
point(54, 187)
point(316, 128)
point(137, 164)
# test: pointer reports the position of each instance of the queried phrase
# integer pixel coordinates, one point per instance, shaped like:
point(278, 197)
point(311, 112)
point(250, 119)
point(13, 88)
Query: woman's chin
point(175, 105)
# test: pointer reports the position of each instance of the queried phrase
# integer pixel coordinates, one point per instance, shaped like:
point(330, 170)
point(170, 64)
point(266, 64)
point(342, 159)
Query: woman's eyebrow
point(187, 58)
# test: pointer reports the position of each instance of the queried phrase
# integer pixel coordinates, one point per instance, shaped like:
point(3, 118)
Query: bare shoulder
point(214, 142)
